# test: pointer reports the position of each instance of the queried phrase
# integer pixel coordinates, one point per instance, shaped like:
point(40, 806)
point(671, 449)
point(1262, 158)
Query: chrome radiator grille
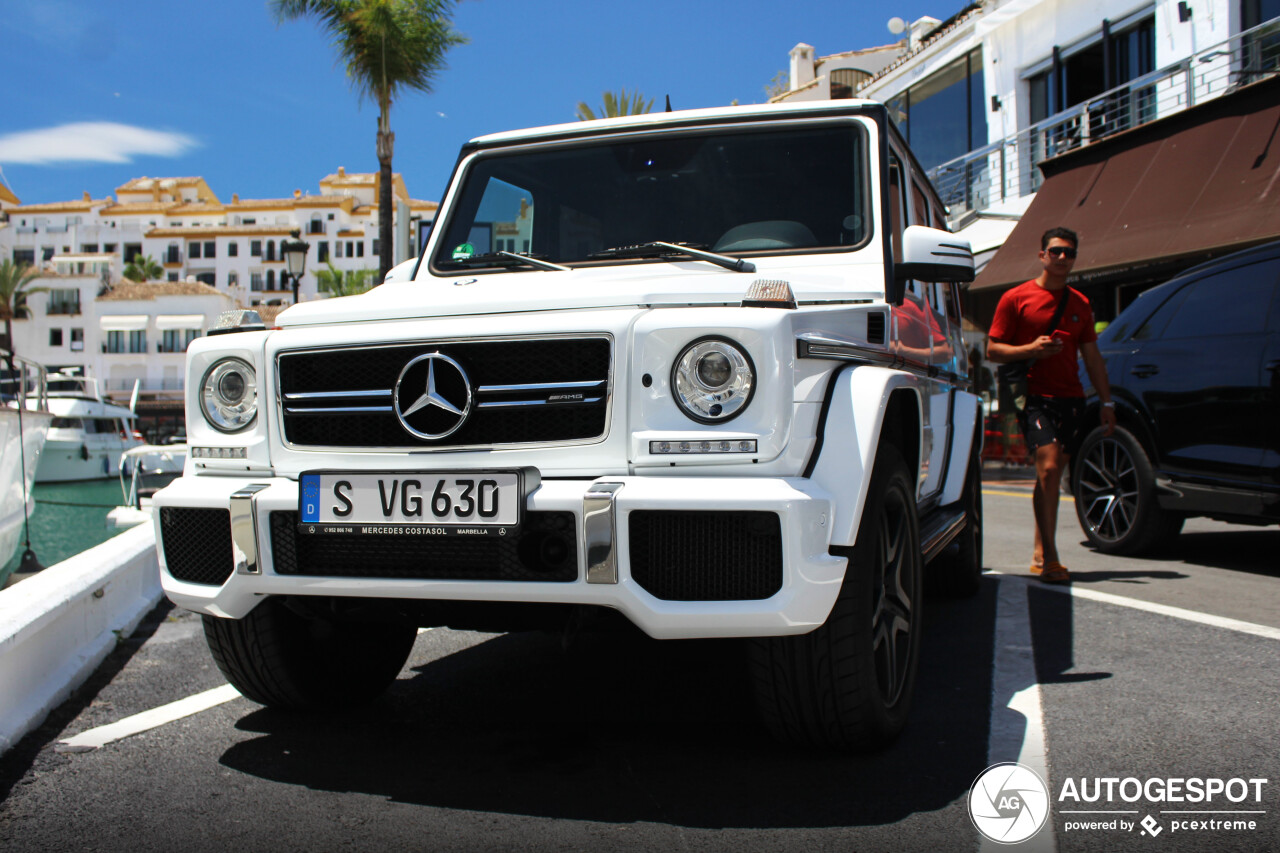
point(546, 390)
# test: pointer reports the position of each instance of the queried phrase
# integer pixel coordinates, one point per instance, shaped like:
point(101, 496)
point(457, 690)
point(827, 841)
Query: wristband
point(1110, 404)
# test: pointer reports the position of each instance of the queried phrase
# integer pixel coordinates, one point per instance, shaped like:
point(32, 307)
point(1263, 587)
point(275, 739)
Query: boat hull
point(82, 457)
point(19, 459)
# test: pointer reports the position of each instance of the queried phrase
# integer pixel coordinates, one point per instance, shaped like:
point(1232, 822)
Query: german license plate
point(417, 503)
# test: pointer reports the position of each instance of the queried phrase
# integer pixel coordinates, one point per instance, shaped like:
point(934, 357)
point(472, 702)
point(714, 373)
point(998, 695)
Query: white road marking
point(1017, 716)
point(1150, 607)
point(103, 735)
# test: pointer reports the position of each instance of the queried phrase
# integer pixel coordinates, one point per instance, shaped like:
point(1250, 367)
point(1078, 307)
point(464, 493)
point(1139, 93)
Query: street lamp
point(295, 260)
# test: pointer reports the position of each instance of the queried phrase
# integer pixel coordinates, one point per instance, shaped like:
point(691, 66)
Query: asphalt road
point(1145, 669)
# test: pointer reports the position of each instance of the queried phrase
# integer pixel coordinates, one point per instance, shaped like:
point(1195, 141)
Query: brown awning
point(1203, 181)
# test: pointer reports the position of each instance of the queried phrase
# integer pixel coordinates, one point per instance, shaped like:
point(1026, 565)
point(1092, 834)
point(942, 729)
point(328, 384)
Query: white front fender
point(859, 402)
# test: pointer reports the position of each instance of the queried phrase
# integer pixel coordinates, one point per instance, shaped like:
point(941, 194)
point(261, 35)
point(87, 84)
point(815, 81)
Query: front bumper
point(810, 576)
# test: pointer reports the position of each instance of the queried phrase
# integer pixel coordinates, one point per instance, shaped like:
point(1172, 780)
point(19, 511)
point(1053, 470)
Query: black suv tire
point(1114, 486)
point(280, 659)
point(848, 684)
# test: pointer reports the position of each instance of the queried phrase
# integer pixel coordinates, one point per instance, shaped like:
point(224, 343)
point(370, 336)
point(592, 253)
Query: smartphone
point(1060, 335)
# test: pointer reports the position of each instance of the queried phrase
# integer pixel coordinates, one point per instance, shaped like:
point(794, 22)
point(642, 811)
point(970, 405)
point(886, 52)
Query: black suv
point(1194, 366)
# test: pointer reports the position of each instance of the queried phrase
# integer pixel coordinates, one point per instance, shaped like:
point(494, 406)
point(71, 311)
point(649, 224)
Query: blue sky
point(97, 92)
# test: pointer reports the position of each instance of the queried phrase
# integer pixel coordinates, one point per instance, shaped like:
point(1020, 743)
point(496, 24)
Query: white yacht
point(144, 470)
point(87, 435)
point(22, 438)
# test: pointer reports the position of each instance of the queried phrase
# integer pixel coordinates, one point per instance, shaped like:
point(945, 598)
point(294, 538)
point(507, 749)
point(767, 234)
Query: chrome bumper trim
point(244, 529)
point(599, 532)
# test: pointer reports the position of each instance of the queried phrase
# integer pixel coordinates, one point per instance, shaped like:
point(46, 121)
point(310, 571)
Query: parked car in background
point(1194, 366)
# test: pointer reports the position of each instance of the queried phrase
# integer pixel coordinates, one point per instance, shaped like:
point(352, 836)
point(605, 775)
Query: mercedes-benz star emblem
point(442, 405)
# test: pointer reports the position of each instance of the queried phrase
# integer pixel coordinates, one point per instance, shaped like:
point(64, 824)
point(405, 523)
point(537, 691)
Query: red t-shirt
point(1023, 314)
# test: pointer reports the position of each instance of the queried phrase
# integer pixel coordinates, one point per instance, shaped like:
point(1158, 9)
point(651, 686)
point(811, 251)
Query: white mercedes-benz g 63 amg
point(702, 369)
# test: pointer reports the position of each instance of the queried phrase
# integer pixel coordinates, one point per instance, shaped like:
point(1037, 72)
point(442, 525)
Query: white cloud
point(97, 142)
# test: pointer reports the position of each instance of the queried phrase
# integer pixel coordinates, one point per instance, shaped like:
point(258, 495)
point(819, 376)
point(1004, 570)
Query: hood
point(641, 285)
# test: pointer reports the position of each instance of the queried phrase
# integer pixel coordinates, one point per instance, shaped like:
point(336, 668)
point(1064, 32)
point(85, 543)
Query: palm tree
point(621, 104)
point(143, 268)
point(15, 280)
point(337, 282)
point(387, 45)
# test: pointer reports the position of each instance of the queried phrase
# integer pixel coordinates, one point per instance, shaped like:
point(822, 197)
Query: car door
point(1271, 392)
point(1199, 370)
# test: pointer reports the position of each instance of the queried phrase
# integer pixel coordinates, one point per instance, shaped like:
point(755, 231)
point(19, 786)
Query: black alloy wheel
point(1115, 492)
point(847, 685)
point(894, 596)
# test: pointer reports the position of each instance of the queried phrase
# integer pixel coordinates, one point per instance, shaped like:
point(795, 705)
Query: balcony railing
point(1007, 169)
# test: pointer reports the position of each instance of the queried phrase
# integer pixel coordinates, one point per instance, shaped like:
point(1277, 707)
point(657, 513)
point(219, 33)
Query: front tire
point(1114, 486)
point(848, 684)
point(280, 659)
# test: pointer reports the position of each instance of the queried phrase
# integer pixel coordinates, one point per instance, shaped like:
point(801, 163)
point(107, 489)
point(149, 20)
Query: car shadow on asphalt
point(1250, 551)
point(621, 728)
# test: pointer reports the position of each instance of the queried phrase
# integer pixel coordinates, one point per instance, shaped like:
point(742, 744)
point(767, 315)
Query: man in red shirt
point(1052, 419)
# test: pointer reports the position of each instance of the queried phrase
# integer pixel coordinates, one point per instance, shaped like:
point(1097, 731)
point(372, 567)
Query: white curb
point(57, 626)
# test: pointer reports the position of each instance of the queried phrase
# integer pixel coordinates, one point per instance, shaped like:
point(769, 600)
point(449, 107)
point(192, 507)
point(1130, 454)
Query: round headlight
point(712, 380)
point(229, 395)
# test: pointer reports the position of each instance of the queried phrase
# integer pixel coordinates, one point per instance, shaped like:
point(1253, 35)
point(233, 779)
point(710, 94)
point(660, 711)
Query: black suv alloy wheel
point(1115, 493)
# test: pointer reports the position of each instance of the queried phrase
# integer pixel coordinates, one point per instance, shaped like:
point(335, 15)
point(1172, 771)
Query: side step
point(938, 529)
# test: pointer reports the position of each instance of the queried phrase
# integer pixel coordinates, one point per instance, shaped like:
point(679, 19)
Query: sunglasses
point(1063, 252)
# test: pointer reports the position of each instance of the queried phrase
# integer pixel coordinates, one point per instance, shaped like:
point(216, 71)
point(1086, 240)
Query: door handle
point(1142, 371)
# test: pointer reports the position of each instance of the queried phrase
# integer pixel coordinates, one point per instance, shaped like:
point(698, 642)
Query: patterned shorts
point(1049, 419)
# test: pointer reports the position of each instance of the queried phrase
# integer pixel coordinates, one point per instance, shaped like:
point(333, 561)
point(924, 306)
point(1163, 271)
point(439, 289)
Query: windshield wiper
point(660, 249)
point(506, 259)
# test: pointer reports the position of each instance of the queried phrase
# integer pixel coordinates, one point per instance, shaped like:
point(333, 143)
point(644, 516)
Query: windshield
point(735, 191)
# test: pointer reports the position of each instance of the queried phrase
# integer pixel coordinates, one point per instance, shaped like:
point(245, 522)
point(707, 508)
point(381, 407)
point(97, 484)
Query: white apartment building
point(214, 256)
point(988, 95)
point(234, 247)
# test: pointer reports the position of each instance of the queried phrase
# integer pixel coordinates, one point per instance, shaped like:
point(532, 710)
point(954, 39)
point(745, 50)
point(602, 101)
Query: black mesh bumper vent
point(545, 549)
point(197, 544)
point(551, 390)
point(706, 556)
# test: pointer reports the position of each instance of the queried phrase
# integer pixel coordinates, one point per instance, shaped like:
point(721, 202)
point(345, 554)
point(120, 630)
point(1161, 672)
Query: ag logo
point(1008, 803)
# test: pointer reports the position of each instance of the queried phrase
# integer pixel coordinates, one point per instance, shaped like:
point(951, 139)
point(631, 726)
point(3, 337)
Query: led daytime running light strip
point(219, 453)
point(733, 445)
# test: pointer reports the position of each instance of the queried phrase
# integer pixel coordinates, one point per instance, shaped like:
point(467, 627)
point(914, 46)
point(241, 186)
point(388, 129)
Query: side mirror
point(931, 254)
point(402, 271)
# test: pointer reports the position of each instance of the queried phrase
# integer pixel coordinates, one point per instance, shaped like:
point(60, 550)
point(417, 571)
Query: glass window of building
point(1108, 60)
point(845, 81)
point(944, 116)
